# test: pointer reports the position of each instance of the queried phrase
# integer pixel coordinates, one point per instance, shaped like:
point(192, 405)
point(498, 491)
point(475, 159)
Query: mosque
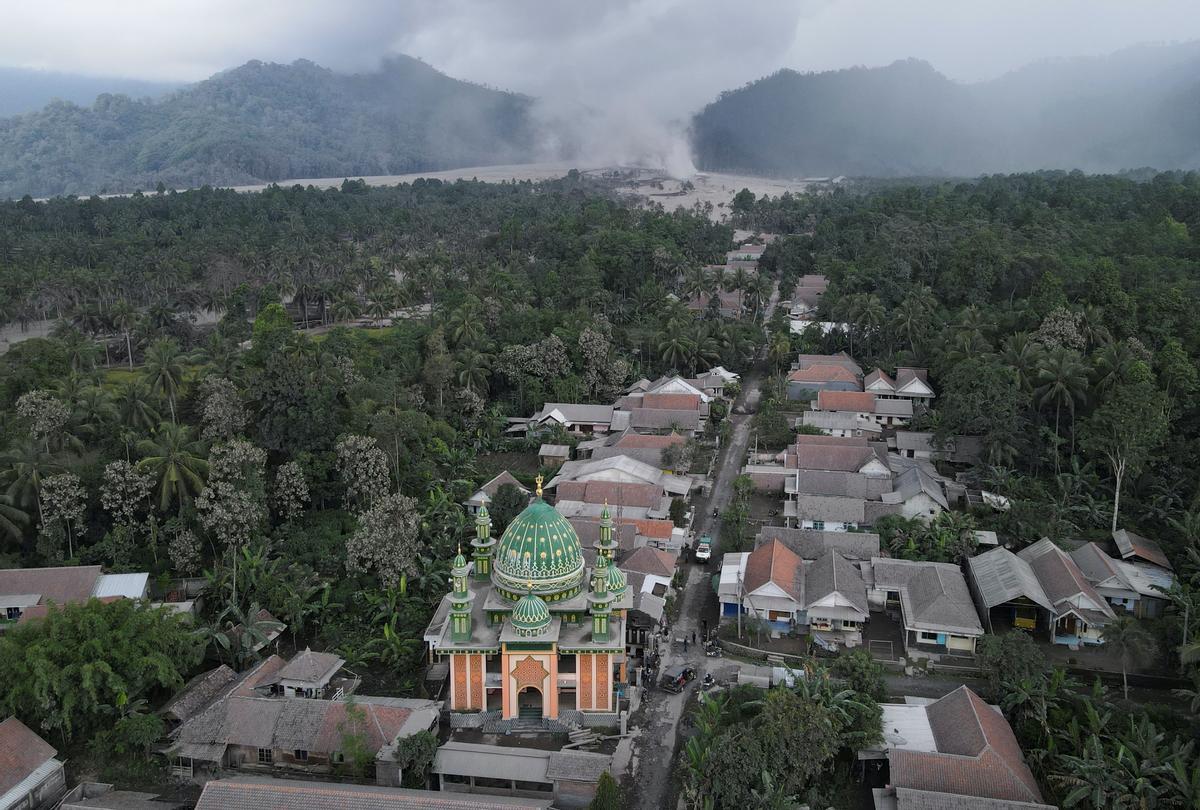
point(528, 629)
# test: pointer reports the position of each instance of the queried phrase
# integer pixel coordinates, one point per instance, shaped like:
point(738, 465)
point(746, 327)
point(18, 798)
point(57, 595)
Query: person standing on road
point(693, 636)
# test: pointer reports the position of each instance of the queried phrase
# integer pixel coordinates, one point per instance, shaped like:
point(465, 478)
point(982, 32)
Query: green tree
point(68, 672)
point(1126, 427)
point(414, 754)
point(164, 370)
point(176, 462)
point(508, 502)
point(608, 794)
point(1009, 659)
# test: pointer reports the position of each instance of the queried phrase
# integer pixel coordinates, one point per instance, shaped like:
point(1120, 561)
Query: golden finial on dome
point(539, 486)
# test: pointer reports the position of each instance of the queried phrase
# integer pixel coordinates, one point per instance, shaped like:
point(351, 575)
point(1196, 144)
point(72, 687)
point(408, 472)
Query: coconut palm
point(135, 406)
point(1062, 380)
point(1025, 357)
point(675, 349)
point(474, 370)
point(23, 467)
point(124, 319)
point(176, 462)
point(164, 370)
point(13, 519)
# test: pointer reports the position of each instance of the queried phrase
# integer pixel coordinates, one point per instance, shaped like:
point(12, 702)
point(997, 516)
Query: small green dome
point(530, 616)
point(459, 561)
point(617, 581)
point(539, 551)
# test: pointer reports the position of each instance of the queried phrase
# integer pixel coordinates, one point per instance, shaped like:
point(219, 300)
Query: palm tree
point(94, 410)
point(1025, 356)
point(13, 519)
point(911, 321)
point(1124, 635)
point(135, 407)
point(1062, 380)
point(164, 370)
point(675, 349)
point(176, 462)
point(474, 369)
point(345, 308)
point(1112, 364)
point(23, 467)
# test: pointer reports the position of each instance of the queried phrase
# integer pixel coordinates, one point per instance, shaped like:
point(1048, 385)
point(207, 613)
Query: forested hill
point(1135, 108)
point(265, 122)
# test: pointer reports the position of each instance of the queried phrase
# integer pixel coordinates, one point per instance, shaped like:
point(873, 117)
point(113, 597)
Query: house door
point(1066, 626)
point(529, 703)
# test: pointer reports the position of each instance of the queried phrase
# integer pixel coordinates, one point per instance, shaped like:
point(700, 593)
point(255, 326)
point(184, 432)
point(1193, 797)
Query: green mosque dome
point(530, 616)
point(617, 581)
point(459, 561)
point(539, 552)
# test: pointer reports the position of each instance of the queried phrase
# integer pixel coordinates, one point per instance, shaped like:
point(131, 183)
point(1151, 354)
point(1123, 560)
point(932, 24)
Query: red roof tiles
point(822, 373)
point(652, 561)
point(775, 562)
point(21, 753)
point(642, 496)
point(648, 442)
point(858, 401)
point(671, 402)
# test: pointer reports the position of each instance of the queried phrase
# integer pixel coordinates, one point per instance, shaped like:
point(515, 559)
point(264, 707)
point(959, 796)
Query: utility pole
point(740, 598)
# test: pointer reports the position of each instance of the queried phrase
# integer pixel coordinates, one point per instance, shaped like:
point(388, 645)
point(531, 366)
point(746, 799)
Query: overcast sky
point(530, 45)
point(636, 64)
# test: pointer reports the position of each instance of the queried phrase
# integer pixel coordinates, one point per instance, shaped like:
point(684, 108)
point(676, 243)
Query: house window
point(14, 613)
point(301, 755)
point(265, 756)
point(929, 637)
point(818, 525)
point(337, 757)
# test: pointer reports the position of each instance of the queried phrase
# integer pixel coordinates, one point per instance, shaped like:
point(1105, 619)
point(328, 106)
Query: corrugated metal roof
point(131, 586)
point(1002, 576)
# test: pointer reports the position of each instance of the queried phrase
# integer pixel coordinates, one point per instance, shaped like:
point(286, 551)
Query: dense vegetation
point(264, 122)
point(317, 475)
point(24, 90)
point(906, 119)
point(1055, 313)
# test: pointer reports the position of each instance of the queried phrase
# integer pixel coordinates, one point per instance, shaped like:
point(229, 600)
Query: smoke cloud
point(615, 80)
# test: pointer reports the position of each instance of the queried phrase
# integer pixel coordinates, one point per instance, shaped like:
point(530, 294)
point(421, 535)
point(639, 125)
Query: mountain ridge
point(263, 122)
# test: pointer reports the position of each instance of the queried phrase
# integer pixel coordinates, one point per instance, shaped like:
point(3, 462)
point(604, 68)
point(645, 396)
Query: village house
point(810, 544)
point(933, 602)
point(806, 297)
point(575, 418)
point(826, 596)
point(568, 777)
point(866, 405)
point(812, 373)
point(31, 778)
point(953, 752)
point(841, 424)
point(483, 496)
point(629, 500)
point(1041, 589)
point(708, 386)
point(27, 593)
point(924, 446)
point(725, 304)
point(1135, 548)
point(909, 383)
point(624, 470)
point(646, 448)
point(554, 455)
point(267, 793)
point(263, 720)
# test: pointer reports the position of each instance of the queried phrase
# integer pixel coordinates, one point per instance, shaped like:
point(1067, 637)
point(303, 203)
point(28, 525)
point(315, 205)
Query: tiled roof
point(909, 799)
point(933, 596)
point(1134, 545)
point(21, 753)
point(671, 402)
point(1099, 567)
point(858, 401)
point(878, 375)
point(577, 766)
point(811, 543)
point(244, 793)
point(775, 562)
point(648, 560)
point(840, 359)
point(650, 527)
point(833, 573)
point(493, 486)
point(612, 492)
point(640, 441)
point(823, 373)
point(832, 457)
point(656, 418)
point(62, 584)
point(1059, 576)
point(309, 666)
point(199, 692)
point(588, 530)
point(978, 754)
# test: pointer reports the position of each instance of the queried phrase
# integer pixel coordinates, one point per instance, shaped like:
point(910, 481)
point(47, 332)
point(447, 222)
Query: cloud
point(614, 79)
